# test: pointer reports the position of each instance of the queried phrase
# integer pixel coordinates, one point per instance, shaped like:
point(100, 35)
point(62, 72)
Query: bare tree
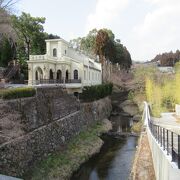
point(4, 15)
point(5, 24)
point(6, 7)
point(6, 4)
point(6, 29)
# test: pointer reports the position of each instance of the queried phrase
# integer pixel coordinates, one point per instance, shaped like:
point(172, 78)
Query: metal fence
point(53, 81)
point(168, 140)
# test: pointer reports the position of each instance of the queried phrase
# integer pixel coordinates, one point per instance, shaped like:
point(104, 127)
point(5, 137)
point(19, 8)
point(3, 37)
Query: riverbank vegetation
point(137, 127)
point(163, 94)
point(161, 90)
point(136, 87)
point(62, 164)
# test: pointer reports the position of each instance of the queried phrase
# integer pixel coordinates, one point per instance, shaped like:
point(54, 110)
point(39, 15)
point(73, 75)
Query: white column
point(88, 75)
point(30, 74)
point(48, 49)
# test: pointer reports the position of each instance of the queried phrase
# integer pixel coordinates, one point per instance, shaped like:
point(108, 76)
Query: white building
point(65, 66)
point(166, 69)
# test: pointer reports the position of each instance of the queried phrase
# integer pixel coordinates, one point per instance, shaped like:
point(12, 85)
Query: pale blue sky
point(146, 27)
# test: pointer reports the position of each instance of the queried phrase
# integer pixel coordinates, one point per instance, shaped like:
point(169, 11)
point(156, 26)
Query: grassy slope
point(62, 164)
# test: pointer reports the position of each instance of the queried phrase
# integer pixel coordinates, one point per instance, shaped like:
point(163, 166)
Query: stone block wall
point(44, 124)
point(20, 116)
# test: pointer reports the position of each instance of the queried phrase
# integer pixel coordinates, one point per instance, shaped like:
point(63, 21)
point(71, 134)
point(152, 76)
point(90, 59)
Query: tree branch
point(4, 4)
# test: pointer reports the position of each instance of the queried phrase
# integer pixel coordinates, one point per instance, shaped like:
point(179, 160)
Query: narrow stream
point(115, 159)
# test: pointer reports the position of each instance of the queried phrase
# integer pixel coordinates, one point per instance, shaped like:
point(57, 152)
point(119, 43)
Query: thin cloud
point(105, 12)
point(159, 31)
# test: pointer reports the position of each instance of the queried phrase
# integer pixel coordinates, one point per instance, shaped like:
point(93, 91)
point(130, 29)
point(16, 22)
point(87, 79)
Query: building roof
point(55, 40)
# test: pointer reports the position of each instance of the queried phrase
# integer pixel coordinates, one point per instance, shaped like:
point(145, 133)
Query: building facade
point(64, 66)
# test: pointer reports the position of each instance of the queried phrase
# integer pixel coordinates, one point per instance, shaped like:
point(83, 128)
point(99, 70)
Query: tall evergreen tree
point(111, 49)
point(6, 52)
point(30, 33)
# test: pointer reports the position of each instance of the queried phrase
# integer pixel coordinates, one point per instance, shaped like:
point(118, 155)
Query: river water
point(114, 162)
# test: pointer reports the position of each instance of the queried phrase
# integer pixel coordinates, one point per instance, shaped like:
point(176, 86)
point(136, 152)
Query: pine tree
point(6, 52)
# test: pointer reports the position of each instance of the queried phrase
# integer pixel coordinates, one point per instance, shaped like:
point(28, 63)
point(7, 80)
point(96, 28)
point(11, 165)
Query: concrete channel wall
point(164, 168)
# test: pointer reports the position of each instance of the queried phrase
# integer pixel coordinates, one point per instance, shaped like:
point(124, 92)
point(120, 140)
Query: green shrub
point(137, 127)
point(130, 95)
point(91, 93)
point(15, 93)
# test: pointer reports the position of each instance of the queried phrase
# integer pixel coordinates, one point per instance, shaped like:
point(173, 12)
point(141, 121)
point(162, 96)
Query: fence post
point(158, 134)
point(167, 142)
point(178, 151)
point(172, 146)
point(163, 138)
point(161, 135)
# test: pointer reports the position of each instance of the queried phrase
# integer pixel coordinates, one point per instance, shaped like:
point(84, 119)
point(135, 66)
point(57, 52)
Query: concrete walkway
point(168, 121)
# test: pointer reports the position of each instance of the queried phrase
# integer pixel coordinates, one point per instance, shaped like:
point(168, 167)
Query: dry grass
point(61, 165)
point(143, 165)
point(137, 127)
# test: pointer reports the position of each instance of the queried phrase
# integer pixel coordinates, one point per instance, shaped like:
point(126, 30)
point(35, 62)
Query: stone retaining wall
point(20, 116)
point(43, 124)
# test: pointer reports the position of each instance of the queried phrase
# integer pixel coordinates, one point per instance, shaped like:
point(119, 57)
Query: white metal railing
point(165, 148)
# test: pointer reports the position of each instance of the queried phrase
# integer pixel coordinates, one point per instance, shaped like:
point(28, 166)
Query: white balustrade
point(37, 57)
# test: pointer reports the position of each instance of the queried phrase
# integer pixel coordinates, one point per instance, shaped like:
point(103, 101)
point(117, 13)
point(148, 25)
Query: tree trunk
point(28, 50)
point(104, 79)
point(27, 40)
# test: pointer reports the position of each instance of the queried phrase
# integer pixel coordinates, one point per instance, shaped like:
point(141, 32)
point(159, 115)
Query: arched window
point(50, 74)
point(75, 74)
point(39, 74)
point(59, 74)
point(67, 74)
point(36, 75)
point(54, 52)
